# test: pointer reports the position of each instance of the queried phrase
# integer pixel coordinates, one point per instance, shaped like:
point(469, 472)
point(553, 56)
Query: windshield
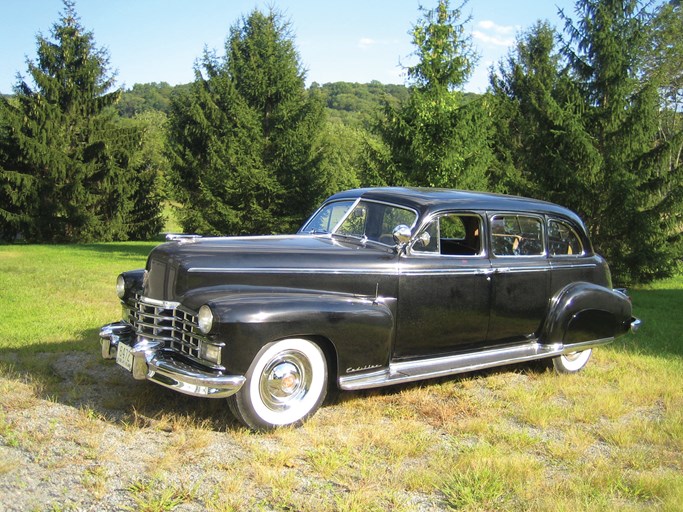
point(366, 220)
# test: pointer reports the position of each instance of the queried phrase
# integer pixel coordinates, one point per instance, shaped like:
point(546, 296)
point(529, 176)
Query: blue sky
point(347, 40)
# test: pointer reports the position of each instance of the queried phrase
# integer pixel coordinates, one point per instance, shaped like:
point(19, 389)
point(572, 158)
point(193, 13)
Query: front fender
point(360, 329)
point(583, 312)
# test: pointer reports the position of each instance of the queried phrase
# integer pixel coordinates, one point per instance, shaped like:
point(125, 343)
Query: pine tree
point(437, 138)
point(535, 121)
point(586, 136)
point(246, 138)
point(70, 154)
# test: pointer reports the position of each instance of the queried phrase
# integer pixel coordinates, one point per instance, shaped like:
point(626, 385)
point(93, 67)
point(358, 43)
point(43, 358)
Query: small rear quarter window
point(563, 240)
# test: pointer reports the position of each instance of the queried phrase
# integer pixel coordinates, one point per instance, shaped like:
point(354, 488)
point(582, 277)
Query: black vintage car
point(380, 286)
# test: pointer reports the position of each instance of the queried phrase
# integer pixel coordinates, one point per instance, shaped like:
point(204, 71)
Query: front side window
point(516, 235)
point(451, 234)
point(563, 239)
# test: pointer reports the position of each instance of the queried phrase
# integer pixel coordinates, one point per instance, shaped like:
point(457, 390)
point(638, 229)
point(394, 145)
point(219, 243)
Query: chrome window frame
point(353, 207)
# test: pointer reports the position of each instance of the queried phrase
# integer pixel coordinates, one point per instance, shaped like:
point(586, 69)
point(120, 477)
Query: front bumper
point(150, 361)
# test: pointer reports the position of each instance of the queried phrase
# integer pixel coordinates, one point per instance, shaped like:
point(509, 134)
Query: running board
point(410, 371)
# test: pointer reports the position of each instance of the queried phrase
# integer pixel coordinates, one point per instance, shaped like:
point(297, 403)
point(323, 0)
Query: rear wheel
point(286, 383)
point(572, 362)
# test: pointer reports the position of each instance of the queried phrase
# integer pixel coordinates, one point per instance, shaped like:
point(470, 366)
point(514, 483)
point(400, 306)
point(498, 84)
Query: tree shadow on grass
point(66, 374)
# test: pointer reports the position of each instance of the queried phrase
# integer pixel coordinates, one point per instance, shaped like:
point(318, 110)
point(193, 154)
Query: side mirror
point(401, 234)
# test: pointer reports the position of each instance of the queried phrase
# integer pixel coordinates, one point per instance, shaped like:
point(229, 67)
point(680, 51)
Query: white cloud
point(366, 42)
point(492, 39)
point(493, 34)
point(498, 29)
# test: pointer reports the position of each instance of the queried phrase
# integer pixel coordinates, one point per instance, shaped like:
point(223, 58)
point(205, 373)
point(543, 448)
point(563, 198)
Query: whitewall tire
point(572, 362)
point(286, 383)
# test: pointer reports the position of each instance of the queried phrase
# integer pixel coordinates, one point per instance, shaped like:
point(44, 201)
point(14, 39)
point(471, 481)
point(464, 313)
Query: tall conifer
point(244, 138)
point(437, 138)
point(588, 136)
point(67, 171)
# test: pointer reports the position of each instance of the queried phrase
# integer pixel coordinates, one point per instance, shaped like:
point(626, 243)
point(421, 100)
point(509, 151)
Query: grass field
point(76, 433)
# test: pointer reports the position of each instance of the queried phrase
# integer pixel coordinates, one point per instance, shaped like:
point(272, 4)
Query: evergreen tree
point(438, 138)
point(67, 166)
point(535, 121)
point(17, 184)
point(246, 137)
point(664, 66)
point(587, 136)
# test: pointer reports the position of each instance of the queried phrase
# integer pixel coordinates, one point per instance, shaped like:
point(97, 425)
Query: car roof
point(428, 200)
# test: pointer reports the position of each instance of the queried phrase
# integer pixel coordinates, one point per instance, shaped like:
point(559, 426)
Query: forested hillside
point(349, 103)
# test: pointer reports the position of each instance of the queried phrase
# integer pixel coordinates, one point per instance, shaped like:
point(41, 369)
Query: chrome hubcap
point(285, 381)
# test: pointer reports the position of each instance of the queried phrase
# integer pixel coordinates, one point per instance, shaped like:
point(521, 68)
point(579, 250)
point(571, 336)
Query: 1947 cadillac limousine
point(380, 286)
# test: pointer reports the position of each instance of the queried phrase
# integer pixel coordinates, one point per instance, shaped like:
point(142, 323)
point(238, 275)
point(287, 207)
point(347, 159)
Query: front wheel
point(286, 383)
point(572, 362)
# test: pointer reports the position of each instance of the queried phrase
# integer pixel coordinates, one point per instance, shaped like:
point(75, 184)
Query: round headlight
point(120, 286)
point(205, 319)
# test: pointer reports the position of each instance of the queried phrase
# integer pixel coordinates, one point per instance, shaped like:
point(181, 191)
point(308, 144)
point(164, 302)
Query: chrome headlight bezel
point(121, 286)
point(205, 319)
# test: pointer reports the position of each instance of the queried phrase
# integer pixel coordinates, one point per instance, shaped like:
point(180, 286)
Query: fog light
point(210, 352)
point(205, 319)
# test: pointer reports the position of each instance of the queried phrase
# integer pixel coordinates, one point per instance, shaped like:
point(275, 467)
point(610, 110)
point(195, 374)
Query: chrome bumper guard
point(152, 363)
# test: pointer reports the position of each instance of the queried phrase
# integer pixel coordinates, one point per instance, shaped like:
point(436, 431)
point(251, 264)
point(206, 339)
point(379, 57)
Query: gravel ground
point(78, 433)
point(79, 449)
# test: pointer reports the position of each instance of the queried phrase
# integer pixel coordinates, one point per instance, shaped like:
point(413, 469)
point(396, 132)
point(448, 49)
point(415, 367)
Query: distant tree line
point(589, 117)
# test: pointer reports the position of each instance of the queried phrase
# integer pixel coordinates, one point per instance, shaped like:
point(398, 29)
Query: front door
point(444, 289)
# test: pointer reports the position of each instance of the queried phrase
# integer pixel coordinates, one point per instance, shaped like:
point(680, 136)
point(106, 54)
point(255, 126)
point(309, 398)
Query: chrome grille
point(176, 327)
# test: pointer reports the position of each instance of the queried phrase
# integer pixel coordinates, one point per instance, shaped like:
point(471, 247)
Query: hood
point(295, 262)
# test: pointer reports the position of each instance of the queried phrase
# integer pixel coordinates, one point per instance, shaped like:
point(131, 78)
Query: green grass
point(56, 295)
point(517, 438)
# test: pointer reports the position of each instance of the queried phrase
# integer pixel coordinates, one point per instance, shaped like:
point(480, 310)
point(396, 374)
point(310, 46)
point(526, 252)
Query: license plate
point(124, 356)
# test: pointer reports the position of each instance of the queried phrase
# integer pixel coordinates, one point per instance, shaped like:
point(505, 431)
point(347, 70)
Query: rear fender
point(583, 312)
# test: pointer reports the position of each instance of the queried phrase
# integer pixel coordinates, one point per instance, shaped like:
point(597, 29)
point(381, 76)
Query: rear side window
point(563, 240)
point(516, 235)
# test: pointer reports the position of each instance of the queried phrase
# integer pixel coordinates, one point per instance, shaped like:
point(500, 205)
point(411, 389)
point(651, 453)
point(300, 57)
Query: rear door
point(520, 277)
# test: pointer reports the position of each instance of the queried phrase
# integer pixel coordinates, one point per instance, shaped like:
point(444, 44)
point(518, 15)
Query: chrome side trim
point(285, 270)
point(410, 371)
point(446, 271)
